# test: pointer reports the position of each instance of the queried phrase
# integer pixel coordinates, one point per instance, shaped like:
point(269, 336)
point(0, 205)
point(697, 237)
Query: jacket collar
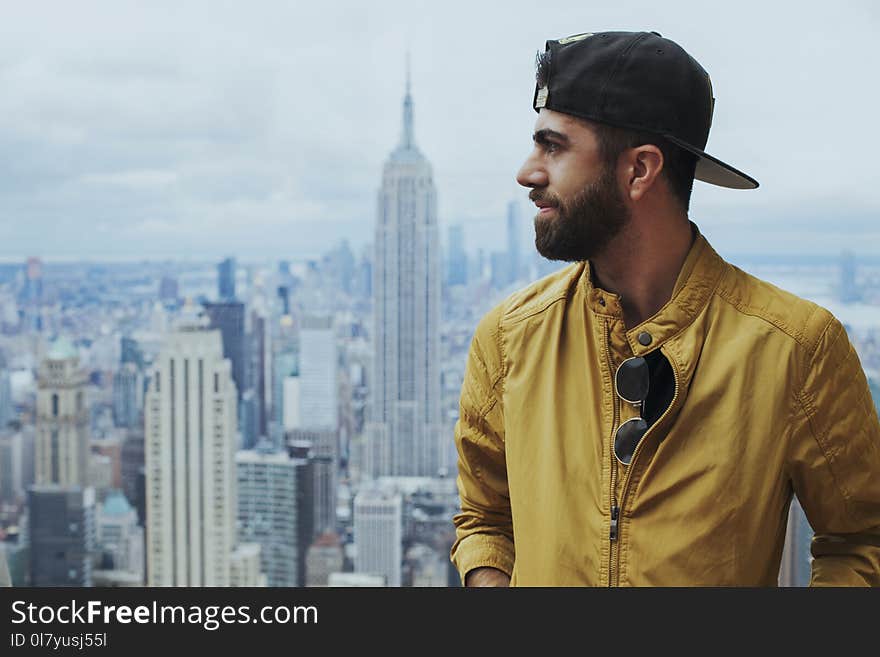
point(697, 280)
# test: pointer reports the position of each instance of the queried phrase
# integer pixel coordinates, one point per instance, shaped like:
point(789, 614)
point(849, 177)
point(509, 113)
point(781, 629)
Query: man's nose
point(531, 175)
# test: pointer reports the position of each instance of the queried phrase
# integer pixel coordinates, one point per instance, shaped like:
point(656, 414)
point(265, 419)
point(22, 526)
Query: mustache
point(536, 195)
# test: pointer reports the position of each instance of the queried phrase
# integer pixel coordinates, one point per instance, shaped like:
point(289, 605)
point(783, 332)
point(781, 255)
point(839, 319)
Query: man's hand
point(487, 576)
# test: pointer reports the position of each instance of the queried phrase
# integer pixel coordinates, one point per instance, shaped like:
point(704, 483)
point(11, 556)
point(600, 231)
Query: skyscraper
point(128, 396)
point(32, 294)
point(378, 534)
point(256, 379)
point(457, 270)
point(7, 409)
point(285, 364)
point(62, 449)
point(324, 556)
point(190, 421)
point(11, 462)
point(131, 352)
point(249, 420)
point(120, 540)
point(168, 289)
point(317, 371)
point(404, 427)
point(228, 318)
point(62, 534)
point(319, 412)
point(133, 471)
point(226, 280)
point(271, 509)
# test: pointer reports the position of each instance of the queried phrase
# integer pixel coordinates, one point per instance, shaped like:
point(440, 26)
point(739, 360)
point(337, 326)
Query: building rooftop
point(62, 349)
point(116, 505)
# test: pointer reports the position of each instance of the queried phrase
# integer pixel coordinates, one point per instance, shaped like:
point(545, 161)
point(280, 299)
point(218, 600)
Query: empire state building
point(403, 433)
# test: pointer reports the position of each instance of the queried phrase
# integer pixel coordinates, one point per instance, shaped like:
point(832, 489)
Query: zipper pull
point(615, 512)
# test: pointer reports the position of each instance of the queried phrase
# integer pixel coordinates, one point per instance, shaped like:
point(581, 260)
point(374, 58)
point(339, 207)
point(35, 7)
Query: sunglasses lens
point(633, 379)
point(627, 438)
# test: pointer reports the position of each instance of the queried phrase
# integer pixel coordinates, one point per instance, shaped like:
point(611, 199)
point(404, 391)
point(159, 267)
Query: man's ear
point(645, 163)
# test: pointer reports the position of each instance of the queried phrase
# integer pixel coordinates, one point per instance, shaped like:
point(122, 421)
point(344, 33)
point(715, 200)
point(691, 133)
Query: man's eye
point(550, 147)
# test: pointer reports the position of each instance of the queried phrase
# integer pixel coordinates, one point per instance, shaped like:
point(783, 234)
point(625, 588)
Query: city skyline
point(273, 403)
point(132, 141)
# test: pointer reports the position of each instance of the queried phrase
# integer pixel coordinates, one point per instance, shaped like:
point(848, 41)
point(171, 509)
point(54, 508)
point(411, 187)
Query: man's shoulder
point(801, 319)
point(533, 299)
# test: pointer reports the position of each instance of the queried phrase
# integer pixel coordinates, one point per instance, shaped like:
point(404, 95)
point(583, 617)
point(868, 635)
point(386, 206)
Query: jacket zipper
point(615, 510)
point(626, 476)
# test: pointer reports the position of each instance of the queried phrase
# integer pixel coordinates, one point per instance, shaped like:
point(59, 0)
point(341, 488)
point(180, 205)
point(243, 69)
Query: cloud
point(211, 127)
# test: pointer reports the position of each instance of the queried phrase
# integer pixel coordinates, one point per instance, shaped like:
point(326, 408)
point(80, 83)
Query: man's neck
point(643, 266)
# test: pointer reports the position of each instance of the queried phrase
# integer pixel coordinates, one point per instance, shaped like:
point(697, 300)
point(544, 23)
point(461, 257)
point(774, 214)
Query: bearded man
point(644, 416)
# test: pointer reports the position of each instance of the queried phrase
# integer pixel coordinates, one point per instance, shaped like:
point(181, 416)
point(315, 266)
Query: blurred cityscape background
point(279, 423)
point(255, 418)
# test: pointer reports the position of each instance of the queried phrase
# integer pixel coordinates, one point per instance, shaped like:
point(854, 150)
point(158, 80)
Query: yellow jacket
point(770, 399)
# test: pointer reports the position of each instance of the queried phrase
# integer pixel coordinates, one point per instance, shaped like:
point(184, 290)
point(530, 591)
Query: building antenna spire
point(407, 140)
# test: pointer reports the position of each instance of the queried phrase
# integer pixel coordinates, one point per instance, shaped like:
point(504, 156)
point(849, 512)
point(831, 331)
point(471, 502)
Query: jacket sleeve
point(835, 462)
point(484, 528)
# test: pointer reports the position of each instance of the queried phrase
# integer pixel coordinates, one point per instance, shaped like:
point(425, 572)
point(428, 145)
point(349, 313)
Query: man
point(643, 416)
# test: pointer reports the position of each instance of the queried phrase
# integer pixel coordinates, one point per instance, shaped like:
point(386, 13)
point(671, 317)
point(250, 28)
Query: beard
point(582, 227)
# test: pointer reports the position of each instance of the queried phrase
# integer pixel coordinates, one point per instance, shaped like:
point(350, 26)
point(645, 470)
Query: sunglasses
point(631, 383)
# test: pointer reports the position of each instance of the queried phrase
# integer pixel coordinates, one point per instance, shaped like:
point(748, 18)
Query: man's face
point(580, 206)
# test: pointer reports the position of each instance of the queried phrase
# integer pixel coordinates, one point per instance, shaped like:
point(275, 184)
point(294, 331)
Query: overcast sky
point(260, 128)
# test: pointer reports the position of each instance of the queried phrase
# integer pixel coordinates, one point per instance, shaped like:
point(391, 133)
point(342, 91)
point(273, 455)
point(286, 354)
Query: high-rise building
point(319, 412)
point(363, 283)
point(190, 427)
point(284, 299)
point(404, 429)
point(325, 556)
point(168, 289)
point(109, 446)
point(249, 422)
point(317, 371)
point(273, 509)
point(337, 267)
point(131, 352)
point(324, 456)
point(378, 534)
point(14, 547)
point(11, 466)
point(128, 396)
point(456, 263)
point(285, 364)
point(62, 535)
point(226, 280)
point(133, 472)
point(62, 418)
point(32, 295)
point(228, 318)
point(120, 540)
point(7, 408)
point(244, 566)
point(256, 379)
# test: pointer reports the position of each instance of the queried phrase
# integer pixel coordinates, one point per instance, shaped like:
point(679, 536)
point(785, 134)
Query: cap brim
point(714, 171)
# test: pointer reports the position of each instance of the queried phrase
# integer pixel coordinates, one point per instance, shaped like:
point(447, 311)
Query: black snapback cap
point(640, 81)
